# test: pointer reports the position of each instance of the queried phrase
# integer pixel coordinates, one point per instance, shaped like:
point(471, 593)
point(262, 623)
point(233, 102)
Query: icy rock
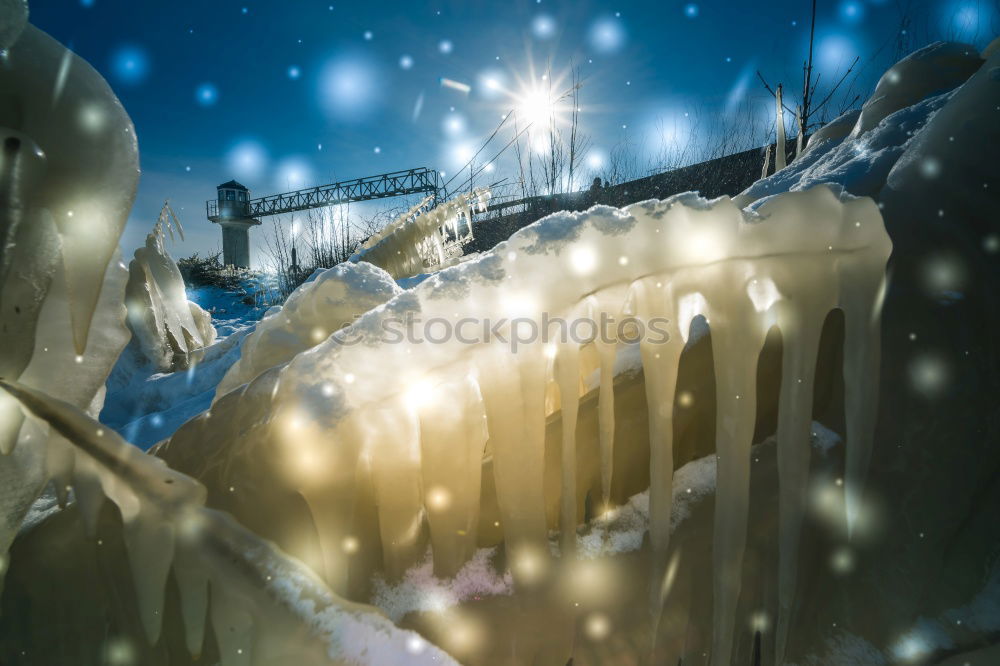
point(932, 70)
point(168, 329)
point(328, 302)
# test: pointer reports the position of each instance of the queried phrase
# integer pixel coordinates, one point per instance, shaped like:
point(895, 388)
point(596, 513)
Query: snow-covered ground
point(145, 406)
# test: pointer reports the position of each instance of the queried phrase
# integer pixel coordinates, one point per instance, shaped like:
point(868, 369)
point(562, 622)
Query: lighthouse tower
point(232, 212)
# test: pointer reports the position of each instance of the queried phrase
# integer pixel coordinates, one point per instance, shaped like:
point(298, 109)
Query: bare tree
point(808, 108)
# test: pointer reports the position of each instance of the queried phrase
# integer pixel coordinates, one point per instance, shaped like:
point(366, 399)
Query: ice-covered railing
point(405, 426)
point(420, 239)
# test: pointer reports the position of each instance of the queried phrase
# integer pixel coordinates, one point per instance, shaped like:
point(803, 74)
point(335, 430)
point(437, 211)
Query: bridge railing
point(397, 183)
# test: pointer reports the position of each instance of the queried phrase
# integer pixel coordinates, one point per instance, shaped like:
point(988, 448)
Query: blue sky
point(288, 94)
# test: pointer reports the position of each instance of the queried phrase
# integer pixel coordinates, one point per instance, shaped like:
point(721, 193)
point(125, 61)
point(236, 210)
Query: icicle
point(800, 326)
point(567, 374)
point(737, 338)
point(234, 628)
point(89, 494)
point(392, 441)
point(862, 346)
point(659, 364)
point(767, 162)
point(606, 352)
point(513, 398)
point(452, 439)
point(192, 583)
point(149, 542)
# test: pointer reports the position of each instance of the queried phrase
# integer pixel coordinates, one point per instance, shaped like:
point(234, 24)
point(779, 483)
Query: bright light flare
point(419, 394)
point(583, 260)
point(536, 107)
point(348, 86)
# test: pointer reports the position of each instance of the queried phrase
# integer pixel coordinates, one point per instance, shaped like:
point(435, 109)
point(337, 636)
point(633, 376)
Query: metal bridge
point(397, 183)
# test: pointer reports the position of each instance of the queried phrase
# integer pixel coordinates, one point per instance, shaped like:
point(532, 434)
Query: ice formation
point(401, 429)
point(420, 238)
point(68, 173)
point(315, 310)
point(169, 329)
point(255, 596)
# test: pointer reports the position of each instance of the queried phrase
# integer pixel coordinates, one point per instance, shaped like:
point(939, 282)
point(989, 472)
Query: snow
point(905, 101)
point(860, 165)
point(421, 590)
point(329, 301)
point(145, 406)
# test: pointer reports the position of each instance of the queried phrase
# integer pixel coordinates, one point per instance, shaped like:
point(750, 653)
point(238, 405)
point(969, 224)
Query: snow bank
point(932, 70)
point(905, 100)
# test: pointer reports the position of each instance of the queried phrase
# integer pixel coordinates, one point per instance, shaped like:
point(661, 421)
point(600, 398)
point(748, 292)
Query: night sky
point(282, 95)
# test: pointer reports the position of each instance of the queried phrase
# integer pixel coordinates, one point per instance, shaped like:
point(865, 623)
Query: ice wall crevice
point(799, 256)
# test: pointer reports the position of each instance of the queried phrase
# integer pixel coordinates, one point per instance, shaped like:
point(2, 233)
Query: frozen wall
point(399, 430)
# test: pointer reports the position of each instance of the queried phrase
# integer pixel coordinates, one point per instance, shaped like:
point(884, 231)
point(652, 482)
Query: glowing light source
point(597, 626)
point(583, 260)
point(247, 160)
point(419, 394)
point(207, 94)
point(852, 11)
point(607, 35)
point(130, 64)
point(536, 107)
point(294, 173)
point(405, 61)
point(348, 86)
point(543, 26)
point(453, 124)
point(438, 498)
